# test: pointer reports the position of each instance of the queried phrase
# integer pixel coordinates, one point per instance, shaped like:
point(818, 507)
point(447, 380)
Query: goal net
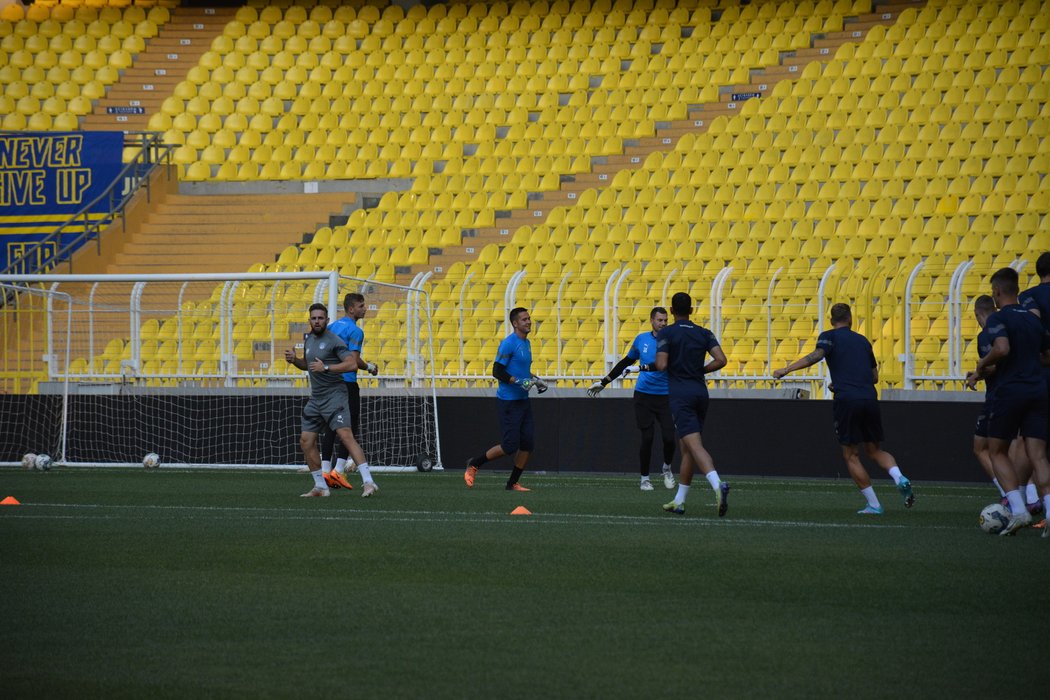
point(192, 367)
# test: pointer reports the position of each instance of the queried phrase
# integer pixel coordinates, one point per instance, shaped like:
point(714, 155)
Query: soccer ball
point(43, 462)
point(151, 460)
point(994, 518)
point(29, 460)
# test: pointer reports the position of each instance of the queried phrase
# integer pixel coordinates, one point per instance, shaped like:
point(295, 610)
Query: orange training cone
point(12, 501)
point(521, 510)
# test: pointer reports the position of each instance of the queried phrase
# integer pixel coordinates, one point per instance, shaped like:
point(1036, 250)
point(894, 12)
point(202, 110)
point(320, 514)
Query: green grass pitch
point(132, 584)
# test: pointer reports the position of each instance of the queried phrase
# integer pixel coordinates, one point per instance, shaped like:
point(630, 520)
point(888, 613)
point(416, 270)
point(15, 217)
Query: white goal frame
point(408, 383)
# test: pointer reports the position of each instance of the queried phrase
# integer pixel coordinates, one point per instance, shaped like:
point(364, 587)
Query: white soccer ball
point(994, 518)
point(29, 460)
point(43, 462)
point(151, 460)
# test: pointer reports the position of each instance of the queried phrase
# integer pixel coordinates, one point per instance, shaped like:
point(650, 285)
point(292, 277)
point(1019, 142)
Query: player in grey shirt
point(326, 357)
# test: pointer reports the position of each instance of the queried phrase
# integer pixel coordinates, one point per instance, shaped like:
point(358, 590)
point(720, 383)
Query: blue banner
point(47, 177)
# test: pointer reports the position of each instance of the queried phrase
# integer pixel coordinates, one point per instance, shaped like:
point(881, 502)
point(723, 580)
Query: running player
point(348, 329)
point(650, 397)
point(983, 307)
point(325, 357)
point(1037, 301)
point(513, 370)
point(858, 420)
point(680, 351)
point(1019, 405)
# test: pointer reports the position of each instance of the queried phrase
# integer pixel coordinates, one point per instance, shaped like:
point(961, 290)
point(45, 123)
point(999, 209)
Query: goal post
point(192, 367)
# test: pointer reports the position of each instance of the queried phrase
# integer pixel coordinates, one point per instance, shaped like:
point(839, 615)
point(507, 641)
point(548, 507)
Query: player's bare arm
point(370, 367)
point(661, 361)
point(802, 363)
point(1000, 349)
point(291, 358)
point(718, 360)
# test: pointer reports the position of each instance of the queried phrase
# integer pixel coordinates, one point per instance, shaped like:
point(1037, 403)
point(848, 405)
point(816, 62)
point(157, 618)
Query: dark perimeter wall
point(931, 440)
point(744, 436)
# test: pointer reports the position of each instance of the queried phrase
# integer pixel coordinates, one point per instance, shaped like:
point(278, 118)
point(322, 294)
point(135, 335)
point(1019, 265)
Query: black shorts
point(981, 429)
point(689, 411)
point(1010, 417)
point(652, 407)
point(353, 392)
point(516, 425)
point(857, 421)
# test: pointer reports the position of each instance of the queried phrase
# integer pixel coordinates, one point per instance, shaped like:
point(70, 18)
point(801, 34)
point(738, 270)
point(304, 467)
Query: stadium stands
point(820, 149)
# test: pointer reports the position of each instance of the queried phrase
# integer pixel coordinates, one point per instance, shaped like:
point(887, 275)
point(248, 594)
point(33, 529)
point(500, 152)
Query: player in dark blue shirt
point(651, 404)
point(1019, 406)
point(513, 370)
point(858, 421)
point(1036, 300)
point(681, 351)
point(983, 307)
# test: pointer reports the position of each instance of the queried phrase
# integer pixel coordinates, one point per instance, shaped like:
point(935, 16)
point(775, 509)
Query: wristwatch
point(326, 368)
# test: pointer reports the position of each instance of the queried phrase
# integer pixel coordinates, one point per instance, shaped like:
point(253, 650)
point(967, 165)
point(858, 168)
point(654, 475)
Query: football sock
point(319, 479)
point(1001, 492)
point(326, 465)
point(712, 478)
point(870, 497)
point(645, 478)
point(1030, 494)
point(683, 491)
point(666, 467)
point(366, 475)
point(515, 474)
point(479, 460)
point(1016, 501)
point(1046, 505)
point(895, 474)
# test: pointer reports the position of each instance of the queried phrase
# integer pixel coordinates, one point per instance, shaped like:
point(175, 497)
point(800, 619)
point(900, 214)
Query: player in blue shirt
point(650, 397)
point(681, 349)
point(858, 421)
point(513, 370)
point(1019, 405)
point(350, 332)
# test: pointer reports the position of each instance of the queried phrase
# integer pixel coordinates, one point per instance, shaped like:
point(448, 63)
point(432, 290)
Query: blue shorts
point(1010, 417)
point(689, 412)
point(517, 425)
point(857, 421)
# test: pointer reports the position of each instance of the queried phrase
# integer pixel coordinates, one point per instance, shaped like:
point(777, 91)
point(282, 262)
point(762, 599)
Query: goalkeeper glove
point(525, 383)
point(541, 386)
point(647, 368)
point(595, 389)
point(372, 368)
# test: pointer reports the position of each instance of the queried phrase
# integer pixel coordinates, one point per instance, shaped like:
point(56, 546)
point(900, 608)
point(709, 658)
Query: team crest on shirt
point(321, 346)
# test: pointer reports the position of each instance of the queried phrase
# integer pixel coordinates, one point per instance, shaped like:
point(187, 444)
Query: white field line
point(422, 516)
point(544, 480)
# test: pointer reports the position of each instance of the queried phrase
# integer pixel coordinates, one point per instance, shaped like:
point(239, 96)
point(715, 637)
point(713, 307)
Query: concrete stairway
point(156, 71)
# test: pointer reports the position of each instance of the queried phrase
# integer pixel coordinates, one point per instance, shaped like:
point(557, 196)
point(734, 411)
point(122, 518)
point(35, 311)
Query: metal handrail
point(152, 152)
